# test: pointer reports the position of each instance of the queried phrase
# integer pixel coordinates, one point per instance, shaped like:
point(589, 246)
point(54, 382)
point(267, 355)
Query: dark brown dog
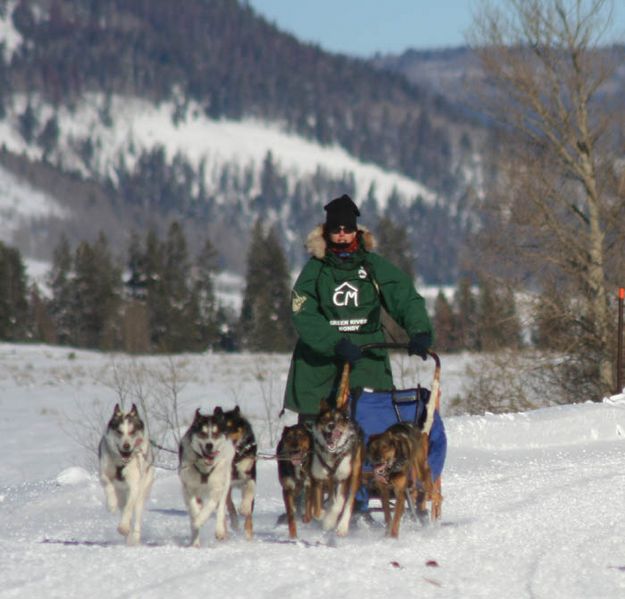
point(338, 454)
point(294, 455)
point(240, 432)
point(399, 460)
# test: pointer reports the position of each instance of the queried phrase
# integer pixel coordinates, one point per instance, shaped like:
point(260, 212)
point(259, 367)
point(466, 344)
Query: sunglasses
point(345, 229)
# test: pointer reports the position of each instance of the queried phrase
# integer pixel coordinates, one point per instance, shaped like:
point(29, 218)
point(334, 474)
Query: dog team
point(320, 469)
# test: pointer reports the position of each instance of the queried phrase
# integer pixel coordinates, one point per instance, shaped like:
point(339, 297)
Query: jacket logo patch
point(362, 273)
point(297, 302)
point(345, 294)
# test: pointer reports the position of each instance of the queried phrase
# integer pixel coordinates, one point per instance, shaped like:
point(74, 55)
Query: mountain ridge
point(221, 61)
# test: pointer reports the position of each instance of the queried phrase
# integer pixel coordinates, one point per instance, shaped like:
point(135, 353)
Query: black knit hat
point(341, 211)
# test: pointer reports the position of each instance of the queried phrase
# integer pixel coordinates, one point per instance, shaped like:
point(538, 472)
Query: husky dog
point(400, 462)
point(240, 432)
point(336, 465)
point(126, 470)
point(294, 455)
point(205, 462)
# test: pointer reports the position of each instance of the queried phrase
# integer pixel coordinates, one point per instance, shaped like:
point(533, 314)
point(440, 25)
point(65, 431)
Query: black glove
point(347, 351)
point(419, 345)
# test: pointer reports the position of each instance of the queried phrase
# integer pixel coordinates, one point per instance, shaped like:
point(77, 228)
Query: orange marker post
point(619, 344)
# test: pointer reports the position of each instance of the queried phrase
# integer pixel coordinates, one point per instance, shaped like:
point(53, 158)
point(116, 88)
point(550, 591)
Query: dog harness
point(332, 469)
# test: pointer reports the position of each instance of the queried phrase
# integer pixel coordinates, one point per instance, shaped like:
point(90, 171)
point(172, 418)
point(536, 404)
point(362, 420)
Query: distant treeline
point(159, 298)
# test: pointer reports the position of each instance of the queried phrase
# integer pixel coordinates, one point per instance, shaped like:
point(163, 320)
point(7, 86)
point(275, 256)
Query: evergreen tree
point(13, 301)
point(498, 325)
point(465, 308)
point(395, 246)
point(182, 310)
point(265, 323)
point(49, 137)
point(41, 327)
point(28, 123)
point(273, 185)
point(61, 307)
point(96, 287)
point(156, 298)
point(136, 281)
point(204, 292)
point(445, 325)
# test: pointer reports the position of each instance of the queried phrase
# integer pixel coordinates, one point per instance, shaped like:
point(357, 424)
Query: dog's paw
point(342, 530)
point(133, 539)
point(321, 516)
point(123, 529)
point(329, 522)
point(221, 535)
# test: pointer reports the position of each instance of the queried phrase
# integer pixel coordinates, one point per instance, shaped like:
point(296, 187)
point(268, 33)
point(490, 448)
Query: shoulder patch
point(297, 302)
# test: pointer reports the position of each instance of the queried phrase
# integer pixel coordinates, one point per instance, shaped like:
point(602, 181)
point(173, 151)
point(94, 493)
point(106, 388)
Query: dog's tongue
point(210, 457)
point(296, 459)
point(337, 433)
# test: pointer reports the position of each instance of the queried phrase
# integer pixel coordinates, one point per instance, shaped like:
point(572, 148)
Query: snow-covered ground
point(533, 502)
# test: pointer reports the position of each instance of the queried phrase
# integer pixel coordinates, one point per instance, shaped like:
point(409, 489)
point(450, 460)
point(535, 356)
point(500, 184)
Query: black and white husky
point(126, 470)
point(205, 469)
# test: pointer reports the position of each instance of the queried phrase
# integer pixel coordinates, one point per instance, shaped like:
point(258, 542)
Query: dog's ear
point(197, 415)
point(373, 438)
point(133, 409)
point(309, 425)
point(219, 417)
point(323, 406)
point(117, 411)
point(237, 410)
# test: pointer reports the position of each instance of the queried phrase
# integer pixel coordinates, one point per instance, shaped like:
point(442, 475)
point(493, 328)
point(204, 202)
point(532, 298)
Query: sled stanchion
point(434, 403)
point(343, 392)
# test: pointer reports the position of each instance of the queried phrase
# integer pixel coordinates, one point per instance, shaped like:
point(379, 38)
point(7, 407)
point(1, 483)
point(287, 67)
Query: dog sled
point(376, 410)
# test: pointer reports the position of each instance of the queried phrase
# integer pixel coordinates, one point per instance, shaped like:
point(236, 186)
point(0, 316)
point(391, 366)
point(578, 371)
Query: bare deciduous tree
point(555, 215)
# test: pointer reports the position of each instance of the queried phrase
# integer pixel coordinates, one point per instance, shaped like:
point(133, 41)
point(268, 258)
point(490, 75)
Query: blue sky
point(363, 27)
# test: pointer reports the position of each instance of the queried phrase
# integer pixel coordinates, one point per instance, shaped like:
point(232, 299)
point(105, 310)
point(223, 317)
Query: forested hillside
point(218, 61)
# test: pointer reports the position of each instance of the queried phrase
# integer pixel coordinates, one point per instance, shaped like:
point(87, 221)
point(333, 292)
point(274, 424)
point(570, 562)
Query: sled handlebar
point(343, 389)
point(405, 346)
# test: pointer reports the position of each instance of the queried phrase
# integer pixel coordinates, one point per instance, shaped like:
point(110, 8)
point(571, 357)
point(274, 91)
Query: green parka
point(337, 297)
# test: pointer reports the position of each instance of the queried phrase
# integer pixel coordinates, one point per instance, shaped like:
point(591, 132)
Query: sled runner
point(377, 410)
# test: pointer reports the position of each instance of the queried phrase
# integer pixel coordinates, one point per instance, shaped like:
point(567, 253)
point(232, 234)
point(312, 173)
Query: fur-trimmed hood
point(316, 243)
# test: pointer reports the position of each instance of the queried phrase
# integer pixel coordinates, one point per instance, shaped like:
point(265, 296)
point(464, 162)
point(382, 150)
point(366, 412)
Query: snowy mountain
point(130, 116)
point(138, 125)
point(532, 502)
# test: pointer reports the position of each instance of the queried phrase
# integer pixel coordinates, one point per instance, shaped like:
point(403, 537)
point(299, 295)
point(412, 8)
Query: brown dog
point(399, 459)
point(338, 454)
point(294, 455)
point(239, 431)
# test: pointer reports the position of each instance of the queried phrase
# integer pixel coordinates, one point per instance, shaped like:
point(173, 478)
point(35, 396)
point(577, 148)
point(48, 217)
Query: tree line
point(156, 298)
point(160, 298)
